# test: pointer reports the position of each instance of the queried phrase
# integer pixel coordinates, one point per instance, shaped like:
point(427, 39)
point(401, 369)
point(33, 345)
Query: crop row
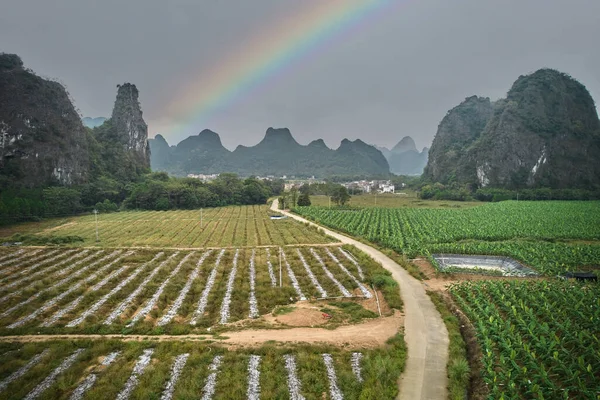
point(538, 339)
point(546, 235)
point(106, 290)
point(121, 370)
point(216, 227)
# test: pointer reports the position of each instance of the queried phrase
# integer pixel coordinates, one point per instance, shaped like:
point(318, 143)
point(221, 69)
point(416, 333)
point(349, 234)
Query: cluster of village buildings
point(354, 187)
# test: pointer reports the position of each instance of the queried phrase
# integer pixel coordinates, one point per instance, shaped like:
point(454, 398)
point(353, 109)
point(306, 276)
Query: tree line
point(153, 191)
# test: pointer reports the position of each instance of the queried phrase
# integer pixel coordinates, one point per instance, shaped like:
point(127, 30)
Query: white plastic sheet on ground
point(294, 384)
point(152, 302)
point(356, 367)
point(207, 288)
point(50, 379)
point(292, 276)
point(230, 282)
point(334, 390)
point(253, 392)
point(138, 370)
point(172, 312)
point(23, 370)
point(211, 381)
point(90, 380)
point(176, 370)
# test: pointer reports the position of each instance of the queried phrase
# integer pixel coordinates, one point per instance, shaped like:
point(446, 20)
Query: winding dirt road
point(424, 331)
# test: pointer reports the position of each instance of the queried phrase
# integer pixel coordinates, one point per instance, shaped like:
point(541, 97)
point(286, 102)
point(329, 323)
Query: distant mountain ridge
point(404, 158)
point(278, 153)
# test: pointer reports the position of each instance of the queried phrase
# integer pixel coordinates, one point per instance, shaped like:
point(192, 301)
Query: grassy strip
point(459, 372)
point(377, 276)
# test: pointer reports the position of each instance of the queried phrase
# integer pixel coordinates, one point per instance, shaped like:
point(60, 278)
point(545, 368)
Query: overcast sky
point(395, 73)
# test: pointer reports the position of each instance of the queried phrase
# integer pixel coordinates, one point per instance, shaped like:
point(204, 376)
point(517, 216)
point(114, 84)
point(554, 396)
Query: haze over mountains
point(277, 154)
point(404, 158)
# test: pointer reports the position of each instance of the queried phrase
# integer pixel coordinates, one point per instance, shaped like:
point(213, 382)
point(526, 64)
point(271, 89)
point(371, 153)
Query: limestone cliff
point(130, 127)
point(546, 133)
point(42, 139)
point(448, 158)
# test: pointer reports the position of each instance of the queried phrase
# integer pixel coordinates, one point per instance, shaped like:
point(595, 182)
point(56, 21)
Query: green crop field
point(65, 290)
point(214, 227)
point(184, 370)
point(406, 198)
point(539, 340)
point(550, 236)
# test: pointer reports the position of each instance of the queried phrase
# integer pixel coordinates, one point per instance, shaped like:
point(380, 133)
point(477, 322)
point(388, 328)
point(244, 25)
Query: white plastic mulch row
point(207, 288)
point(227, 298)
point(109, 278)
point(90, 380)
point(36, 274)
point(353, 261)
point(356, 369)
point(252, 299)
point(8, 271)
point(11, 255)
point(337, 283)
point(56, 285)
point(312, 276)
point(21, 257)
point(50, 379)
point(23, 370)
point(253, 392)
point(362, 287)
point(50, 303)
point(211, 380)
point(176, 370)
point(334, 390)
point(294, 385)
point(292, 276)
point(27, 271)
point(73, 304)
point(96, 306)
point(152, 302)
point(172, 312)
point(125, 303)
point(138, 370)
point(271, 272)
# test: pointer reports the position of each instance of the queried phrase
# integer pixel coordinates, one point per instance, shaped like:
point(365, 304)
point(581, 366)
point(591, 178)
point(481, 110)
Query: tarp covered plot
point(482, 263)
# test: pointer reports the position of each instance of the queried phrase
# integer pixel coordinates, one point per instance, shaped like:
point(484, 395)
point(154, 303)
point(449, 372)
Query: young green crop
point(550, 236)
point(539, 339)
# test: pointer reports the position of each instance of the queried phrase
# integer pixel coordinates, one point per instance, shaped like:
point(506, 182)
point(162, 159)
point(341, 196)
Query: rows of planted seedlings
point(123, 371)
point(167, 291)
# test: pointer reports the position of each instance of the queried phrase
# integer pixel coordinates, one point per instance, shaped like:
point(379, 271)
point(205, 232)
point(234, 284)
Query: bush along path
point(426, 336)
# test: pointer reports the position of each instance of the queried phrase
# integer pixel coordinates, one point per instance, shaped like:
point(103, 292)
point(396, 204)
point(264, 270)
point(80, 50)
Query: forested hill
point(277, 154)
point(546, 133)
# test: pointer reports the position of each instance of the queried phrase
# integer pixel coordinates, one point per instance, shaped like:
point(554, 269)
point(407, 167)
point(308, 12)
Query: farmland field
point(183, 370)
point(214, 227)
point(87, 290)
point(404, 198)
point(549, 236)
point(538, 339)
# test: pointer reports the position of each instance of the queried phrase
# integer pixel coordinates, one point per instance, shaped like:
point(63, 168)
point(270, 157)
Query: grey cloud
point(391, 76)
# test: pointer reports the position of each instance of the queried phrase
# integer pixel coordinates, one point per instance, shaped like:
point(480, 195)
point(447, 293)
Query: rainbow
point(267, 54)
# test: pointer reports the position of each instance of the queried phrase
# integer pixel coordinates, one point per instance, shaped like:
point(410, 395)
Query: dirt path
point(425, 333)
point(372, 333)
